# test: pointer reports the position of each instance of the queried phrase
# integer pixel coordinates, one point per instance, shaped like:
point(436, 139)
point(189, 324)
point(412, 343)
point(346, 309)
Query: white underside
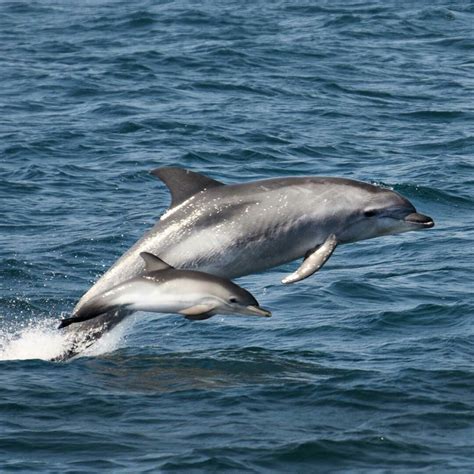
point(155, 298)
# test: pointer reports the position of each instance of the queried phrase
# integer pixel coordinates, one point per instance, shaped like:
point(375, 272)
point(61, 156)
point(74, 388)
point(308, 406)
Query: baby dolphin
point(164, 289)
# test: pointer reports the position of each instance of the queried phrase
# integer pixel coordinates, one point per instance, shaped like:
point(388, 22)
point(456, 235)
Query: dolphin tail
point(83, 335)
point(67, 321)
point(91, 310)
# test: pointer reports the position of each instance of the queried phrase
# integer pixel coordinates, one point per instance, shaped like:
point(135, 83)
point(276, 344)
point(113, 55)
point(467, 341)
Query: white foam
point(32, 340)
point(40, 339)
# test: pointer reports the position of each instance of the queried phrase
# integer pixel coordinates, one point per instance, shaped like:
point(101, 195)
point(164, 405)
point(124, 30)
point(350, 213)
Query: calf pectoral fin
point(314, 261)
point(198, 312)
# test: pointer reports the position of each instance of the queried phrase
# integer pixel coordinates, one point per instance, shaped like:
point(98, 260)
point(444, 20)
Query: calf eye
point(232, 300)
point(370, 213)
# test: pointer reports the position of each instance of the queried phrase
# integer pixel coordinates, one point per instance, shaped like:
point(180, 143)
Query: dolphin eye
point(232, 299)
point(370, 213)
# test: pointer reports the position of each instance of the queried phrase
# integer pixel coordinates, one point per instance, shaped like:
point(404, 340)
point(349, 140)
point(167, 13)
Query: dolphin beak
point(419, 220)
point(257, 311)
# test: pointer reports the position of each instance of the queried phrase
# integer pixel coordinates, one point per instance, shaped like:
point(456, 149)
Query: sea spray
point(35, 339)
point(40, 339)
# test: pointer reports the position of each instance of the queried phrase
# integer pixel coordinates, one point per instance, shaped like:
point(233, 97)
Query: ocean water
point(365, 366)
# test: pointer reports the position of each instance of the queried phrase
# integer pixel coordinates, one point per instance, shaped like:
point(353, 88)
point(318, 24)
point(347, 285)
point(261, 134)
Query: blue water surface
point(367, 365)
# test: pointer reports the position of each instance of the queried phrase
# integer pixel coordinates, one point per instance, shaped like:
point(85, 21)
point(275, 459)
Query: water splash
point(40, 339)
point(35, 339)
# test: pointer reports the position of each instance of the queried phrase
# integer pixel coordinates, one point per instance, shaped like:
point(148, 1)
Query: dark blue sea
point(367, 366)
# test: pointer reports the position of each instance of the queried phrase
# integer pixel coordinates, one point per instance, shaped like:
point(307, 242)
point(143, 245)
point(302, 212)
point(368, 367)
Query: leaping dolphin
point(163, 289)
point(238, 229)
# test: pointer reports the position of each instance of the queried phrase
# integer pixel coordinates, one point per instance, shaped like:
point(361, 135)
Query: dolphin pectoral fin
point(313, 261)
point(196, 309)
point(198, 312)
point(184, 183)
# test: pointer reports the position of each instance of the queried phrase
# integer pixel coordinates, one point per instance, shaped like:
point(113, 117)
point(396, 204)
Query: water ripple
point(365, 365)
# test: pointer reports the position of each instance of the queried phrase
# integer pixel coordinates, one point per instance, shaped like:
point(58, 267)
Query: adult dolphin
point(238, 229)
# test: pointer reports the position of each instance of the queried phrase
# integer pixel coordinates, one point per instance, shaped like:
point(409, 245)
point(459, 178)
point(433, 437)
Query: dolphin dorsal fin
point(153, 263)
point(183, 183)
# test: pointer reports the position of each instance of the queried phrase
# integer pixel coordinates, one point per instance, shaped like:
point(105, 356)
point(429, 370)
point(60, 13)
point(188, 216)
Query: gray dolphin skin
point(163, 289)
point(237, 229)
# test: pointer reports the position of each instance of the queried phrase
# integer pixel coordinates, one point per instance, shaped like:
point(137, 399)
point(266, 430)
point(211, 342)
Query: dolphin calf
point(163, 289)
point(237, 229)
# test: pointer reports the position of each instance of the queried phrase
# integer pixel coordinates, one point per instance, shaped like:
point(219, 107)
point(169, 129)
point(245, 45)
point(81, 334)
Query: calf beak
point(257, 311)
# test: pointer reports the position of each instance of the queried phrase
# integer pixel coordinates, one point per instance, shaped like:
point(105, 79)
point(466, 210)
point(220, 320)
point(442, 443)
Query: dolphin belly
point(240, 249)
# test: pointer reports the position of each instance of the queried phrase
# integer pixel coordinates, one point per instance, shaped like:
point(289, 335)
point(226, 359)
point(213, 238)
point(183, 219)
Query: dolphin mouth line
point(419, 220)
point(258, 311)
point(415, 219)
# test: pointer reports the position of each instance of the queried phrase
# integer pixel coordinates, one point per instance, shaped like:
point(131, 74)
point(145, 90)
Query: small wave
point(442, 196)
point(436, 115)
point(40, 339)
